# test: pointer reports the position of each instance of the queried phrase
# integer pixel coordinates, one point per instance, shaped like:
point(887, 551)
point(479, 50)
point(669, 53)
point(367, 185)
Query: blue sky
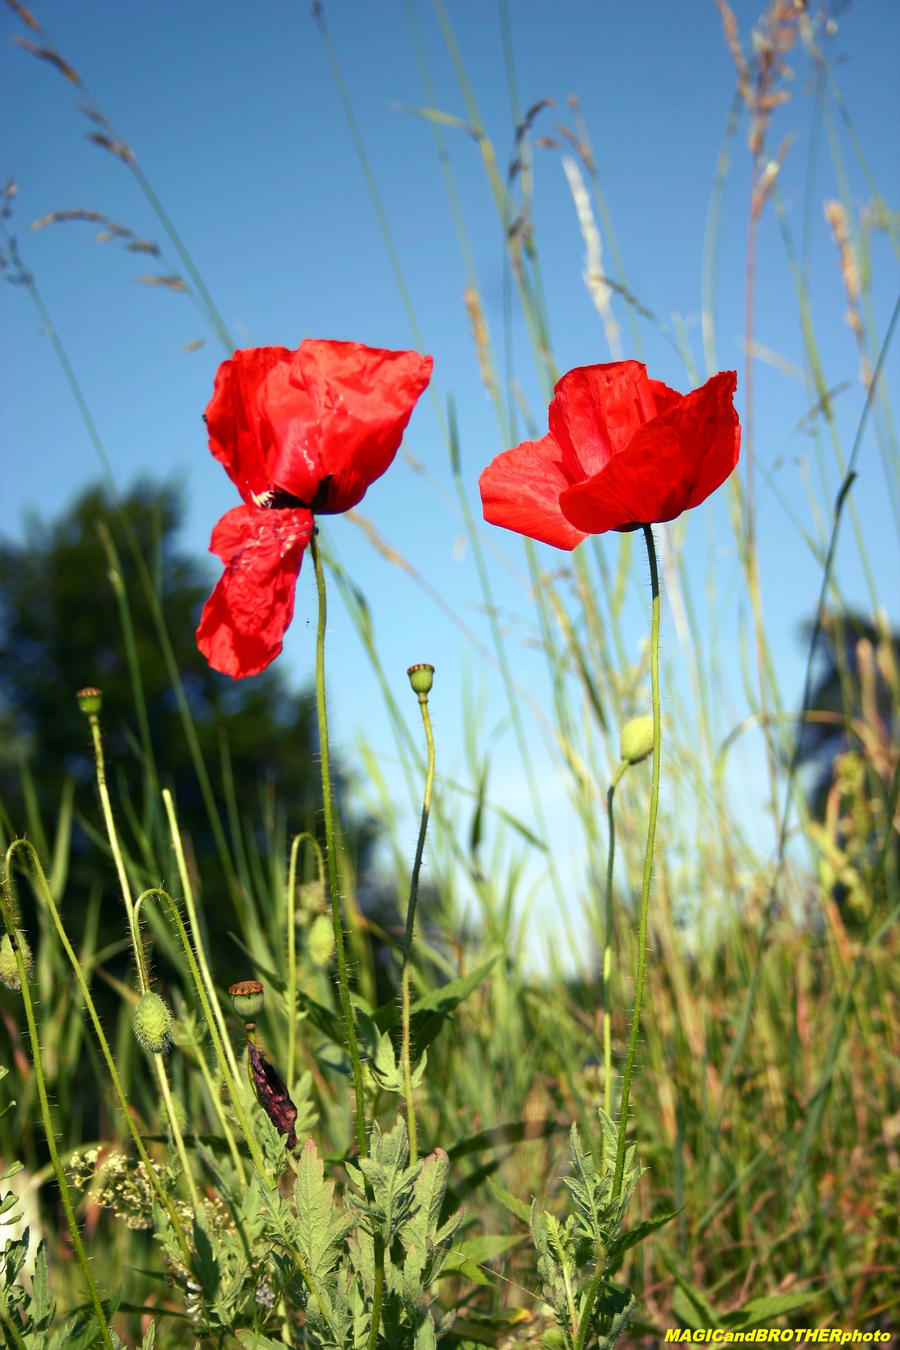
point(234, 116)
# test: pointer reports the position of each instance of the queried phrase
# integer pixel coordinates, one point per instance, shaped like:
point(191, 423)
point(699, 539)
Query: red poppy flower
point(623, 451)
point(298, 433)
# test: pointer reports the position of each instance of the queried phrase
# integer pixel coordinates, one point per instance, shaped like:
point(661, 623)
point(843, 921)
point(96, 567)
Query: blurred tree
point(851, 751)
point(68, 614)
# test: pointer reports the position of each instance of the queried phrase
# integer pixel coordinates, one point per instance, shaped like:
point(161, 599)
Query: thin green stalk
point(212, 1010)
point(410, 923)
point(47, 1120)
point(113, 837)
point(215, 1098)
point(15, 1335)
point(337, 923)
point(331, 857)
point(134, 929)
point(175, 1132)
point(205, 981)
point(291, 935)
point(607, 944)
point(46, 895)
point(648, 867)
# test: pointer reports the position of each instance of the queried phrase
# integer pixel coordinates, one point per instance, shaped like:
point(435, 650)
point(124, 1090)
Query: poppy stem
point(331, 856)
point(406, 1051)
point(648, 866)
point(607, 945)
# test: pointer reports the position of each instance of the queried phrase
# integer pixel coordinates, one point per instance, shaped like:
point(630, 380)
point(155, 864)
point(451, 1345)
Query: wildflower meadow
point(463, 909)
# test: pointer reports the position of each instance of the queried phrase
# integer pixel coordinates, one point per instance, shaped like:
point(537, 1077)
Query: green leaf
point(611, 1314)
point(255, 1340)
point(691, 1307)
point(391, 1180)
point(320, 1230)
point(206, 1265)
point(764, 1309)
point(43, 1306)
point(511, 1203)
point(425, 1337)
point(445, 998)
point(467, 1257)
point(638, 1233)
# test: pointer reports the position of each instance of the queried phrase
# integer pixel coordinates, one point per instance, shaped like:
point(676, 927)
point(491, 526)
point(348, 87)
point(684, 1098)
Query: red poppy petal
point(596, 410)
point(708, 424)
point(238, 435)
point(355, 403)
point(673, 463)
point(635, 487)
point(245, 618)
point(520, 490)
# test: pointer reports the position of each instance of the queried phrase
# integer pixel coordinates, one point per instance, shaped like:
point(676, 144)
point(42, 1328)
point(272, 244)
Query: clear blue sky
point(234, 116)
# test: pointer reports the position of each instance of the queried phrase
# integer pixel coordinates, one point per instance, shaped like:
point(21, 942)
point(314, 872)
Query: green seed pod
point(9, 970)
point(321, 940)
point(421, 678)
point(637, 739)
point(247, 998)
point(153, 1023)
point(90, 700)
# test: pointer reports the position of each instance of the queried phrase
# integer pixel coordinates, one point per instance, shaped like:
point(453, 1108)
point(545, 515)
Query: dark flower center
point(279, 500)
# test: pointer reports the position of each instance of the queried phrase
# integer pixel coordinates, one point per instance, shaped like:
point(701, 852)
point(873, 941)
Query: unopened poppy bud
point(90, 700)
point(246, 998)
point(637, 739)
point(153, 1023)
point(421, 678)
point(321, 940)
point(9, 969)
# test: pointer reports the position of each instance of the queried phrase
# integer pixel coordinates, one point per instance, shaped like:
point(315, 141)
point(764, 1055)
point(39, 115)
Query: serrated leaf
point(206, 1266)
point(425, 1337)
point(362, 1255)
point(8, 1202)
point(610, 1320)
point(149, 1340)
point(14, 1254)
point(391, 1180)
point(255, 1340)
point(11, 1170)
point(430, 1188)
point(320, 1230)
point(42, 1304)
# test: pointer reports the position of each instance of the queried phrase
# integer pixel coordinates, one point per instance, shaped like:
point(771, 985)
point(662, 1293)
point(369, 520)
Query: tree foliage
point(73, 603)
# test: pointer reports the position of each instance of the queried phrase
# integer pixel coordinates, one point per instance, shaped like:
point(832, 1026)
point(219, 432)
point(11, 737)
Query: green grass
point(765, 1100)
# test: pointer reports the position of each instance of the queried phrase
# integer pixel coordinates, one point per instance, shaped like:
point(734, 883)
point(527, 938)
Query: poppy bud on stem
point(9, 966)
point(153, 1023)
point(636, 741)
point(421, 677)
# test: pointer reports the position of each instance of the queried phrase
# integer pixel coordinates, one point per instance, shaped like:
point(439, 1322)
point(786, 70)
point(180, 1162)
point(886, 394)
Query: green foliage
point(575, 1255)
point(766, 1096)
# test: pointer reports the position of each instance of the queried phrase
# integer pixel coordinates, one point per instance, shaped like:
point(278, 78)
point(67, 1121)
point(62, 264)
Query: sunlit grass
point(765, 1096)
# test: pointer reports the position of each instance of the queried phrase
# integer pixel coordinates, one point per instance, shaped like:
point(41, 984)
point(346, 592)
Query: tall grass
point(765, 1101)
